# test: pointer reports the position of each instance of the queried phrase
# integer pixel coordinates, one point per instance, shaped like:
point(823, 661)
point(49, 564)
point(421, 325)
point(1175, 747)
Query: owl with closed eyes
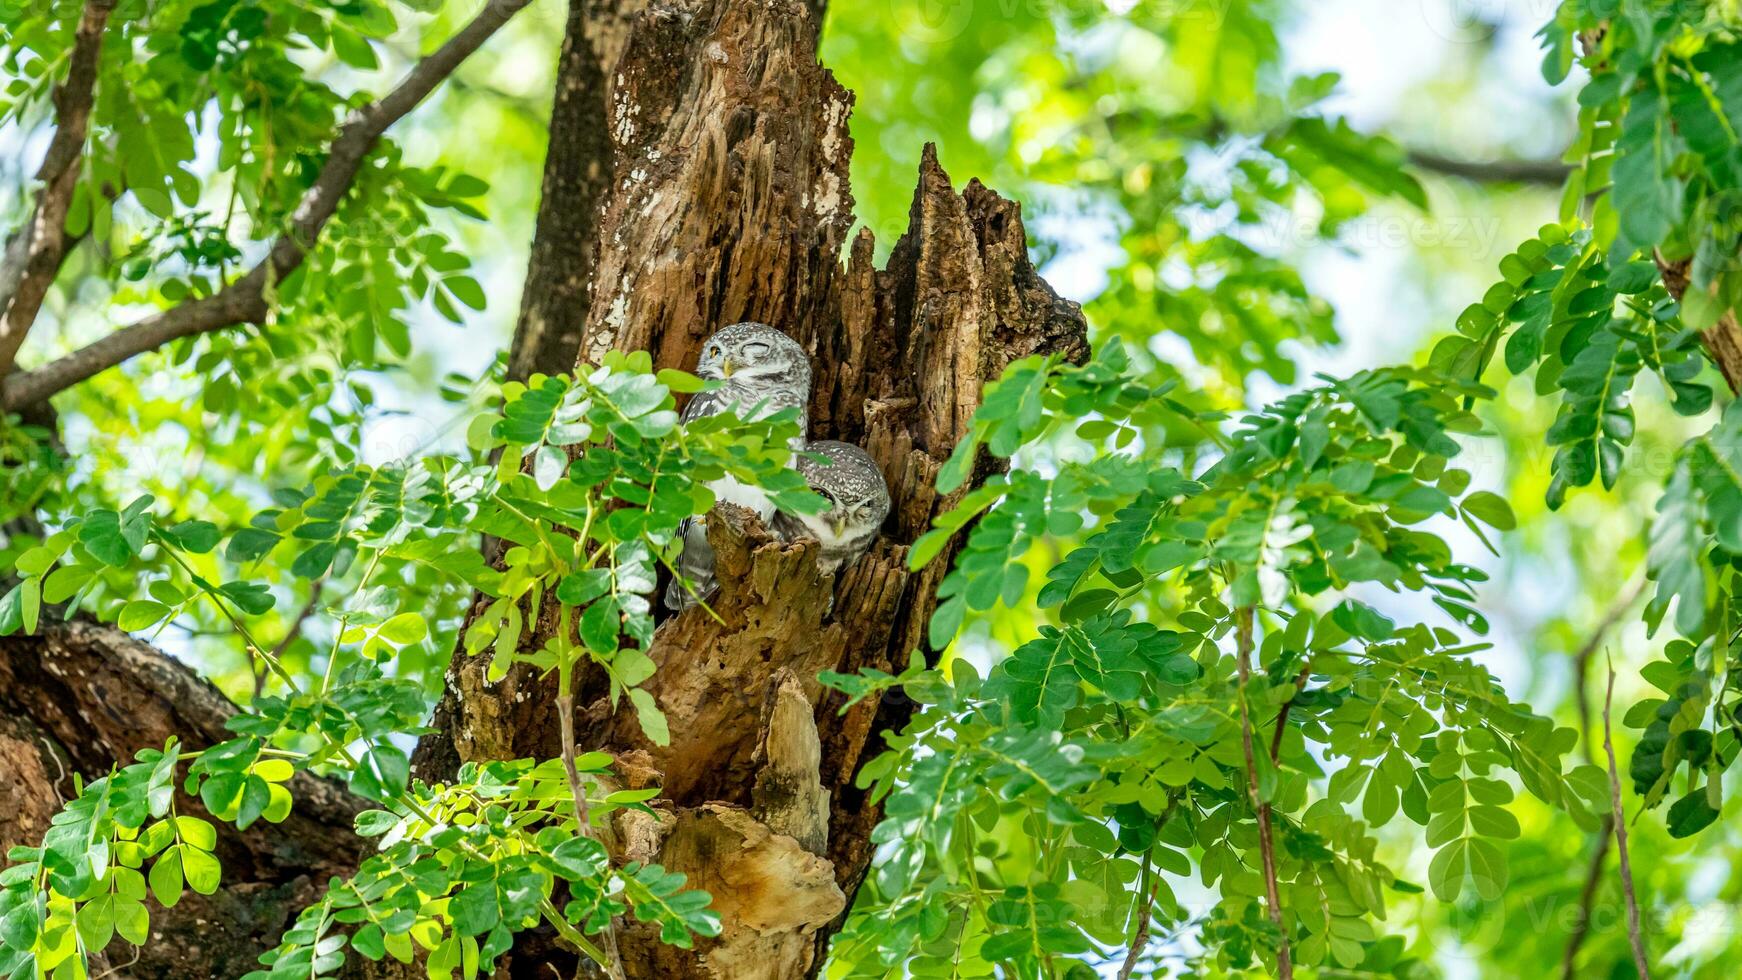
point(848, 479)
point(761, 371)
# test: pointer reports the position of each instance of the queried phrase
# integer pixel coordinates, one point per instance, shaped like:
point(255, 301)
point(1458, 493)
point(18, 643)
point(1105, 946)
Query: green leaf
point(1690, 814)
point(256, 797)
point(354, 49)
point(1447, 870)
point(141, 614)
point(404, 629)
point(653, 723)
point(101, 535)
point(197, 832)
point(601, 627)
point(202, 870)
point(29, 603)
point(196, 537)
point(166, 877)
point(132, 921)
point(1491, 509)
point(96, 923)
point(580, 857)
point(466, 290)
point(475, 908)
point(580, 588)
point(374, 823)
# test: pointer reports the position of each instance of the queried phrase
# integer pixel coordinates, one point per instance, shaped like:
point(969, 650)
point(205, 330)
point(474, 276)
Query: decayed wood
point(730, 201)
point(82, 697)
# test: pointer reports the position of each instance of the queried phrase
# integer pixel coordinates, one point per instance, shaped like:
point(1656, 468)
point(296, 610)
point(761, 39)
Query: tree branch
point(1146, 892)
point(1722, 340)
point(1587, 896)
point(578, 170)
point(34, 255)
point(1633, 935)
point(1300, 683)
point(1266, 845)
point(1606, 828)
point(1582, 660)
point(1540, 173)
point(244, 301)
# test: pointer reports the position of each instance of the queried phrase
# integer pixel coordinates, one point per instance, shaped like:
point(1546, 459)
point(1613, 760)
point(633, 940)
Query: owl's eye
point(756, 350)
point(827, 496)
point(713, 350)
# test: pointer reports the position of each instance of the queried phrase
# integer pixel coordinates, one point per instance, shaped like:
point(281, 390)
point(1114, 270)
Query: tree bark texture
point(727, 199)
point(730, 201)
point(577, 174)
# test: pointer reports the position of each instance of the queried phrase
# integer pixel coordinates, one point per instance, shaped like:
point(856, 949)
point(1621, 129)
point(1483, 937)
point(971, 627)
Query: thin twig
point(565, 713)
point(245, 300)
point(1300, 682)
point(1582, 659)
point(34, 255)
point(1147, 890)
point(1266, 846)
point(283, 647)
point(1541, 173)
point(1587, 897)
point(1606, 827)
point(1633, 935)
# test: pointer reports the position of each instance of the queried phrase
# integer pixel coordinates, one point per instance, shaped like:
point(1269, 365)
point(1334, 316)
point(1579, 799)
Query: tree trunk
point(727, 199)
point(730, 201)
point(577, 174)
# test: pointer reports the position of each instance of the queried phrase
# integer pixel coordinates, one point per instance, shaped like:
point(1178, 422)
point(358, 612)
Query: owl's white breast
point(729, 489)
point(816, 526)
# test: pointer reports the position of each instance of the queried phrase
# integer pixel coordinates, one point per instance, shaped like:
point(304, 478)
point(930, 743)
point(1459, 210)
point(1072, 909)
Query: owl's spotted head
point(848, 478)
point(745, 351)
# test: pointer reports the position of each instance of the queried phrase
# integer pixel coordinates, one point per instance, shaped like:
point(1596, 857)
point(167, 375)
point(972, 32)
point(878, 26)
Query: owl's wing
point(706, 403)
point(695, 563)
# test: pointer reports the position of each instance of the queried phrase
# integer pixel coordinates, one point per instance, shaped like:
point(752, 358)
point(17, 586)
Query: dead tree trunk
point(730, 201)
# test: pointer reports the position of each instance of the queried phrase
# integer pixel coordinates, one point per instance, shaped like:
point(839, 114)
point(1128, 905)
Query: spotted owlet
point(763, 371)
point(858, 502)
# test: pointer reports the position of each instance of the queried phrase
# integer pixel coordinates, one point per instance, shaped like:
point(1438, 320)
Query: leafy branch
point(247, 299)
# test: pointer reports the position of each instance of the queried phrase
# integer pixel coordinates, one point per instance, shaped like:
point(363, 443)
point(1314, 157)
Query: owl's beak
point(727, 367)
point(839, 523)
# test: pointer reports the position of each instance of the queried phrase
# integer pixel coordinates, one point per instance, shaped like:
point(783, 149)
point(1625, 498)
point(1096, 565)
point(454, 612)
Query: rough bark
point(1722, 340)
point(730, 201)
point(80, 698)
point(577, 174)
point(34, 255)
